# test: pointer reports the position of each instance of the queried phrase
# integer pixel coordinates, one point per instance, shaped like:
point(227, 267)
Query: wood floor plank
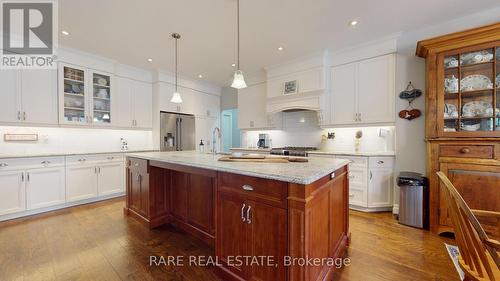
point(97, 242)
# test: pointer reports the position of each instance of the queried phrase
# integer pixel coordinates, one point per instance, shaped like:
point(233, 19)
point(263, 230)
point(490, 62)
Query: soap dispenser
point(202, 147)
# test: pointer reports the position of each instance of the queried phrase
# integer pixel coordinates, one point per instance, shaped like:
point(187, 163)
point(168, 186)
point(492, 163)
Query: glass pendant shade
point(238, 80)
point(176, 98)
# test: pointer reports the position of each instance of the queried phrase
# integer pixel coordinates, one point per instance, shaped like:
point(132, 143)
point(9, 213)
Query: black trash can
point(413, 199)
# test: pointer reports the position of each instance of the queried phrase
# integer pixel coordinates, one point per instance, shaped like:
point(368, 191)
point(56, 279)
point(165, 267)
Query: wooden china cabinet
point(463, 118)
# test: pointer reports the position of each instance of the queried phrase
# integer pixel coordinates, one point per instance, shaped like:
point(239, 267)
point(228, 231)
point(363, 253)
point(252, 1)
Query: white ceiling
point(130, 31)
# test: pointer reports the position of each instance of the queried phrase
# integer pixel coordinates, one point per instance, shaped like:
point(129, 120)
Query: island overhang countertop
point(299, 173)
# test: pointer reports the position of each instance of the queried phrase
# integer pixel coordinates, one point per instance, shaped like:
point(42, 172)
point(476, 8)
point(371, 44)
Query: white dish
point(450, 110)
point(471, 128)
point(451, 84)
point(476, 57)
point(475, 82)
point(450, 62)
point(449, 129)
point(102, 81)
point(498, 81)
point(476, 109)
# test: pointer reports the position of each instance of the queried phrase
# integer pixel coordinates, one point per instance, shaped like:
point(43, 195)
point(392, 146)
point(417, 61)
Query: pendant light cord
point(176, 39)
point(238, 26)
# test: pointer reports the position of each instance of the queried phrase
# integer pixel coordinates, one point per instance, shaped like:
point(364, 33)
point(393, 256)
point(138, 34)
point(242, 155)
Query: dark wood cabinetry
point(462, 118)
point(138, 187)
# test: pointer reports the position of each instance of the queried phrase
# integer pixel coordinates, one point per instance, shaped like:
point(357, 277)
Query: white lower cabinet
point(81, 182)
point(110, 178)
point(44, 187)
point(12, 192)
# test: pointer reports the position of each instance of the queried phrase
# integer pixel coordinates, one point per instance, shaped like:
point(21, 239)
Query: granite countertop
point(55, 154)
point(300, 173)
point(368, 154)
point(251, 149)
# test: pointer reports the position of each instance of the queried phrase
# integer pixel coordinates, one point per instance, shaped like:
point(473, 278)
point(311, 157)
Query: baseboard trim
point(370, 210)
point(59, 207)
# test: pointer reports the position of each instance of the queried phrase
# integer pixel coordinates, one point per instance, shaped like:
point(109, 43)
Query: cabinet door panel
point(178, 194)
point(231, 231)
point(380, 188)
point(376, 90)
point(110, 178)
point(200, 207)
point(45, 187)
point(9, 95)
point(122, 101)
point(143, 103)
point(39, 96)
point(12, 192)
point(478, 185)
point(252, 107)
point(343, 100)
point(81, 182)
point(267, 236)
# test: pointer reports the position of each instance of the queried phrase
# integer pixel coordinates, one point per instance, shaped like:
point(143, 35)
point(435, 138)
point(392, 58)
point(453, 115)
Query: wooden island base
point(247, 217)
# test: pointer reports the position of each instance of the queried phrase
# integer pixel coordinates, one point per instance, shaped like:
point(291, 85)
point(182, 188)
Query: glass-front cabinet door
point(73, 99)
point(470, 96)
point(101, 99)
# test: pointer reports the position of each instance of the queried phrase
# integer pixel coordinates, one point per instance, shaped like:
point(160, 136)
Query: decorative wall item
point(291, 87)
point(20, 137)
point(410, 94)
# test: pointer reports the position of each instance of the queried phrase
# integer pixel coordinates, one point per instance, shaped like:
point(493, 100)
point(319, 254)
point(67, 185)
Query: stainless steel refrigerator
point(177, 132)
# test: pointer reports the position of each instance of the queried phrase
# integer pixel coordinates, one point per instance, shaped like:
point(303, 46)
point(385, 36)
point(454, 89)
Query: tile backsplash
point(301, 128)
point(73, 140)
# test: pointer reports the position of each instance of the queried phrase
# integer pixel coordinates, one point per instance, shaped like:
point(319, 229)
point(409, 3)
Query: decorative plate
point(476, 57)
point(476, 109)
point(102, 81)
point(498, 81)
point(76, 88)
point(475, 82)
point(450, 62)
point(451, 84)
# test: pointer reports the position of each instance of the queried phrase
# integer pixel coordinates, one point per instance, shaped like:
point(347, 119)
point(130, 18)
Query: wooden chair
point(479, 254)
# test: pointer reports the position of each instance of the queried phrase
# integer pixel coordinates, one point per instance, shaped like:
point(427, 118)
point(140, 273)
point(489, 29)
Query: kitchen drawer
point(93, 158)
point(268, 191)
point(30, 163)
point(136, 164)
point(114, 157)
point(381, 162)
point(467, 151)
point(321, 155)
point(358, 197)
point(355, 160)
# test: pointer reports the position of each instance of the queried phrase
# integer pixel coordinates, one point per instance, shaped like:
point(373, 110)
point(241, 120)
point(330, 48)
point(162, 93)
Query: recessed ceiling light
point(280, 48)
point(233, 65)
point(150, 59)
point(200, 76)
point(353, 23)
point(65, 32)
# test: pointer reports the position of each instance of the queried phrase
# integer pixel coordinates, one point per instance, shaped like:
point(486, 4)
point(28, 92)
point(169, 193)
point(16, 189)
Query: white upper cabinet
point(363, 92)
point(252, 109)
point(28, 96)
point(9, 107)
point(134, 104)
point(344, 94)
point(39, 96)
point(74, 91)
point(376, 90)
point(143, 105)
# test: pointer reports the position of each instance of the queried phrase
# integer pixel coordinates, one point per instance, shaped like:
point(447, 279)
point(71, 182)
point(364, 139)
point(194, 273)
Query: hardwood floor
point(97, 242)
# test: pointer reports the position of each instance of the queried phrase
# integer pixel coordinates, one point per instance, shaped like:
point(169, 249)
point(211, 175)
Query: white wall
point(301, 129)
point(73, 140)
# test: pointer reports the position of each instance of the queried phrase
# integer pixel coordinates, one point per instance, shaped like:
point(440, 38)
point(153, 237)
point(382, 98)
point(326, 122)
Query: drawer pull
point(351, 176)
point(4, 164)
point(82, 159)
point(465, 150)
point(247, 187)
point(249, 221)
point(380, 162)
point(45, 163)
point(111, 158)
point(243, 213)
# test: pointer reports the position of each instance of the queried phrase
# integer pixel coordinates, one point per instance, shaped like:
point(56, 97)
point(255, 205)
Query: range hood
point(303, 101)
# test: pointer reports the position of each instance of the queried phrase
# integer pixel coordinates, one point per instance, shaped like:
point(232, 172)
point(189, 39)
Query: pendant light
point(238, 80)
point(176, 96)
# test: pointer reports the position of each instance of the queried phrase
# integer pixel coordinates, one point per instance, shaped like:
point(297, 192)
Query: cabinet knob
point(247, 187)
point(465, 150)
point(4, 165)
point(380, 162)
point(45, 163)
point(111, 158)
point(136, 164)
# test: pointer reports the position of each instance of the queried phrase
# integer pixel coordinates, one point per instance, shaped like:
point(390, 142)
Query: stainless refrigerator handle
point(180, 134)
point(178, 139)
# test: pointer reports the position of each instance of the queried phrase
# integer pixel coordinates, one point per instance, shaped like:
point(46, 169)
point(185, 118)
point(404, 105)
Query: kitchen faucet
point(214, 139)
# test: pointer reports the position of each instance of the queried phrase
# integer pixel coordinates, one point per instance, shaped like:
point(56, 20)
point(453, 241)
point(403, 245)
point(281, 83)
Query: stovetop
point(292, 150)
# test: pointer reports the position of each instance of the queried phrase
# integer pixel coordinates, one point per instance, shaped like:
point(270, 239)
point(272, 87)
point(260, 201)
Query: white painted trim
point(370, 210)
point(365, 51)
point(60, 206)
point(311, 61)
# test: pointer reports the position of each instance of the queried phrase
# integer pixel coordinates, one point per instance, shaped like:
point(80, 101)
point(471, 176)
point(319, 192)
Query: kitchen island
point(264, 220)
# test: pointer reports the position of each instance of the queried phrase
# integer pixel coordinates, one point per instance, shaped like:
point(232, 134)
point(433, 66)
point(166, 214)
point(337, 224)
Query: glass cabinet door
point(471, 98)
point(74, 95)
point(101, 99)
